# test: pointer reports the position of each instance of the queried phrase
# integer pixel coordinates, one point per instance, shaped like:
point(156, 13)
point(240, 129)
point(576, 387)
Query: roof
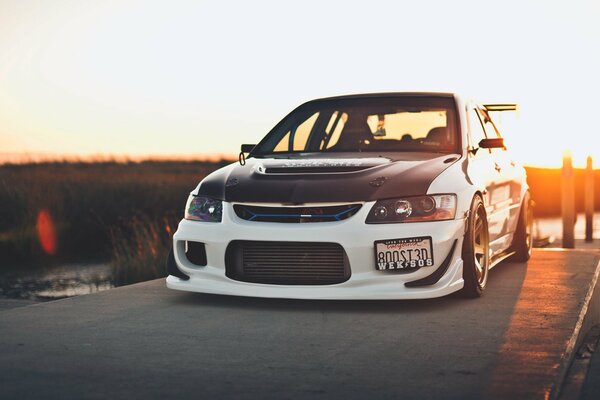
point(387, 94)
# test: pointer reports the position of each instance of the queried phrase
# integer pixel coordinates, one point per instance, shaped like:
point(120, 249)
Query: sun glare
point(46, 232)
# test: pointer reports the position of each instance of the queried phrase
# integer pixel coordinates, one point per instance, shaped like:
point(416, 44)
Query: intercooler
point(287, 263)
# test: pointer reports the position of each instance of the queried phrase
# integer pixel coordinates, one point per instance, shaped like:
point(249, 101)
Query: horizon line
point(15, 158)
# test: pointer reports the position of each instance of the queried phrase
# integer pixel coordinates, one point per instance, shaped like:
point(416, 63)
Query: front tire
point(476, 251)
point(523, 239)
point(171, 267)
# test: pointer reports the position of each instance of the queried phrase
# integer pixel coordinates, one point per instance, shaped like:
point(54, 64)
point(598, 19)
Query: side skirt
point(500, 257)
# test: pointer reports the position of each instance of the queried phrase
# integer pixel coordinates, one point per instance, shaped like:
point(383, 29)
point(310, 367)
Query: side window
point(490, 128)
point(475, 128)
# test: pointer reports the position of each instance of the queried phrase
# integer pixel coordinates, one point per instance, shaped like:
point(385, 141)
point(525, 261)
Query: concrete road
point(7, 304)
point(591, 387)
point(145, 341)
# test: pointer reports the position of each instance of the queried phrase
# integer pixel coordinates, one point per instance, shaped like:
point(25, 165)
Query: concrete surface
point(549, 320)
point(144, 341)
point(591, 386)
point(7, 304)
point(582, 381)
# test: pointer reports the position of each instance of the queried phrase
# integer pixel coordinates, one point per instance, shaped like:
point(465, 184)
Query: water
point(56, 282)
point(552, 227)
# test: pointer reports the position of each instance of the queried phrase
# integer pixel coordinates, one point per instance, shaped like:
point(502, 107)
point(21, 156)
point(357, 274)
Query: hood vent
point(318, 166)
point(315, 170)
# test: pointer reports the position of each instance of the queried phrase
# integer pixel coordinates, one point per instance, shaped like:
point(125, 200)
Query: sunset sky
point(149, 78)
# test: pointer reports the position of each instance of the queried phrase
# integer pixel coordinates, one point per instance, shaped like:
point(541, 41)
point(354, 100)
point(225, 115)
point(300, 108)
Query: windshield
point(370, 124)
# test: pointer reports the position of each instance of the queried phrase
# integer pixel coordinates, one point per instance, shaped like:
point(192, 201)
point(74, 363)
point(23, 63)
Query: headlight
point(437, 207)
point(202, 208)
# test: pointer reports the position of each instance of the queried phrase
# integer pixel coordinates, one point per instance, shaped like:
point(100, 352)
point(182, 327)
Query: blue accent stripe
point(336, 217)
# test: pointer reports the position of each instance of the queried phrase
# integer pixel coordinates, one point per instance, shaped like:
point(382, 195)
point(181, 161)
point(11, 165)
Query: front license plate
point(403, 253)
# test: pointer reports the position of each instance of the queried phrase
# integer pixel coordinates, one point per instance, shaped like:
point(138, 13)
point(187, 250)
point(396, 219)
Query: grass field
point(127, 212)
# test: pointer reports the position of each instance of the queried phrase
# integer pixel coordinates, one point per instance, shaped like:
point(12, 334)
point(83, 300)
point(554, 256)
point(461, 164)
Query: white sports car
point(376, 196)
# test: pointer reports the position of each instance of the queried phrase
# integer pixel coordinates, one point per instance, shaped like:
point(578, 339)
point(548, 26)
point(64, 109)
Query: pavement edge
point(588, 317)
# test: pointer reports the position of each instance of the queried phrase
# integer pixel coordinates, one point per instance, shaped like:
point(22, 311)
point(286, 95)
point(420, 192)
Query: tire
point(171, 267)
point(476, 251)
point(523, 239)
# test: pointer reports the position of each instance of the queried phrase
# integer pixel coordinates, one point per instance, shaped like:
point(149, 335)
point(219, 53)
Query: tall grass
point(99, 211)
point(139, 251)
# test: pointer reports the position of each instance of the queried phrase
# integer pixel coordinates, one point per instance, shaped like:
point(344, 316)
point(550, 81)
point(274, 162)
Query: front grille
point(296, 214)
point(287, 263)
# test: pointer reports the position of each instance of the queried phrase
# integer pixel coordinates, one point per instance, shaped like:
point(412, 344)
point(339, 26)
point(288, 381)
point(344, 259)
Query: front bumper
point(357, 239)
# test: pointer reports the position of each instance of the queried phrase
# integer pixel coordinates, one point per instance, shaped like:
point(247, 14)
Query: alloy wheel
point(481, 247)
point(529, 227)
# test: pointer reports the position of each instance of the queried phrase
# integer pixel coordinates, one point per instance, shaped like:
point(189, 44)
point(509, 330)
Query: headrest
point(439, 135)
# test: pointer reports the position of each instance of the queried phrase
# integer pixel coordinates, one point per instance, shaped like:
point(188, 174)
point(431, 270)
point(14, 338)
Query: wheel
point(476, 251)
point(523, 239)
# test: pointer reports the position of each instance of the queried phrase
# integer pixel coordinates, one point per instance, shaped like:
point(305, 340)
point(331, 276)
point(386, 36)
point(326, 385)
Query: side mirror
point(492, 143)
point(247, 148)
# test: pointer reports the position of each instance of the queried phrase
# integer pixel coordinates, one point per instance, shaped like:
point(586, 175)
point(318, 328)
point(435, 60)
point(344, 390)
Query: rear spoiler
point(501, 107)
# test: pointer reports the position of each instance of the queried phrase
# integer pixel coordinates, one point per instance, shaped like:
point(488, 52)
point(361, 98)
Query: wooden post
point(589, 200)
point(568, 202)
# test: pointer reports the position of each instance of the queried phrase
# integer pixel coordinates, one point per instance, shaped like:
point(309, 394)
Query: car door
point(513, 175)
point(485, 169)
point(505, 192)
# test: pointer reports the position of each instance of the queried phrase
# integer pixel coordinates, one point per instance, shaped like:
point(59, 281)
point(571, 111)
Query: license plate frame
point(404, 253)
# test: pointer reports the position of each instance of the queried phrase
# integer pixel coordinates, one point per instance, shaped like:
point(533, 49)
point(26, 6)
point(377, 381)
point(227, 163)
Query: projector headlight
point(202, 208)
point(438, 207)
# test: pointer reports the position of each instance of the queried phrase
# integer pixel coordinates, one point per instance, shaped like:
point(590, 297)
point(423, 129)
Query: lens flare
point(46, 232)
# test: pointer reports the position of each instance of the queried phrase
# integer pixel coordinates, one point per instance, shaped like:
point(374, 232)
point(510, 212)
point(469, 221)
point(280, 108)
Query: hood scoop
point(319, 166)
point(312, 170)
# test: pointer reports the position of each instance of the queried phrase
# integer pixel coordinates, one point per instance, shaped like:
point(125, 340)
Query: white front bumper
point(357, 239)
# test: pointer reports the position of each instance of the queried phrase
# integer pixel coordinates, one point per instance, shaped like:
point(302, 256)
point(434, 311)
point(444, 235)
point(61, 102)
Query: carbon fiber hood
point(318, 179)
